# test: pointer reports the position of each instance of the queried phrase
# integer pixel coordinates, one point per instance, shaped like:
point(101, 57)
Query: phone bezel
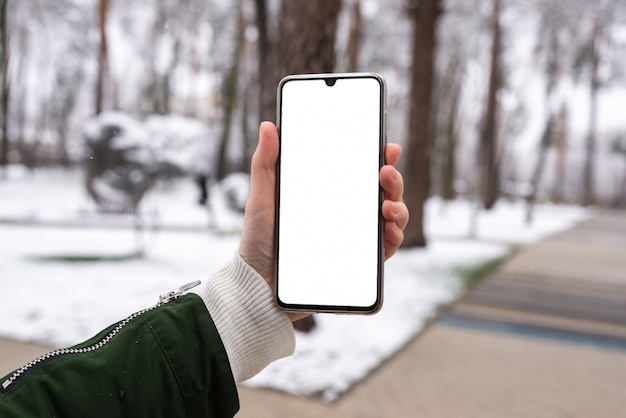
point(330, 79)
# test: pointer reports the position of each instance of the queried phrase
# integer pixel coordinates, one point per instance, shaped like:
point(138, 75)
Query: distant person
point(183, 357)
point(201, 181)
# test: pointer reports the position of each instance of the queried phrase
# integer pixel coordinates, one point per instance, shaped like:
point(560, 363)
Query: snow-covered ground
point(46, 217)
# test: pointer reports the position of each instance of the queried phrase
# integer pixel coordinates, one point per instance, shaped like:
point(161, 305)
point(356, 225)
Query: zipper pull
point(176, 293)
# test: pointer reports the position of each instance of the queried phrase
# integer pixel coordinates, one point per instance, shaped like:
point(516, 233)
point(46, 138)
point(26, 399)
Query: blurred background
point(127, 129)
point(516, 99)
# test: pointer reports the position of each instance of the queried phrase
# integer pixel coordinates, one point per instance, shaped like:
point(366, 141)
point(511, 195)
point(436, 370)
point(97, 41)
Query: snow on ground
point(46, 216)
point(505, 223)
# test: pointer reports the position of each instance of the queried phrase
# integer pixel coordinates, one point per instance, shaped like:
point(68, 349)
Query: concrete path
point(14, 354)
point(542, 337)
point(574, 281)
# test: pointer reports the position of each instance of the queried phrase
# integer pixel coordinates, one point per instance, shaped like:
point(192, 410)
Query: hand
point(257, 238)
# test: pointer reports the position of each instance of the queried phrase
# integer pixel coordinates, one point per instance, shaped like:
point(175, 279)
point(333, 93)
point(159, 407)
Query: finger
point(392, 153)
point(392, 183)
point(396, 212)
point(393, 238)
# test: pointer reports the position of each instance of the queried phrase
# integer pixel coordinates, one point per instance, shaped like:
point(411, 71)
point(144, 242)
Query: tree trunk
point(354, 38)
point(158, 87)
point(103, 77)
point(588, 197)
point(21, 87)
point(4, 88)
point(448, 167)
point(544, 146)
point(229, 96)
point(560, 144)
point(61, 108)
point(263, 48)
point(451, 93)
point(416, 167)
point(305, 44)
point(490, 176)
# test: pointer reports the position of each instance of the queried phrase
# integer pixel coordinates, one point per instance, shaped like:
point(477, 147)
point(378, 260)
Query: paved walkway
point(574, 281)
point(544, 336)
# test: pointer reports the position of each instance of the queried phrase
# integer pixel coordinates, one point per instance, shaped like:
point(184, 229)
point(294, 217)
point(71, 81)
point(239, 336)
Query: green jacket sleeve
point(168, 361)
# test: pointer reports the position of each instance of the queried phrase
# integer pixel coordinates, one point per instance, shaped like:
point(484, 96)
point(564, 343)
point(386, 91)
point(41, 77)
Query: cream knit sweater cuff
point(254, 331)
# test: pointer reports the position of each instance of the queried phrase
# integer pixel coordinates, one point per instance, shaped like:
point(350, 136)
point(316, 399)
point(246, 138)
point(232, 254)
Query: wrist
point(252, 328)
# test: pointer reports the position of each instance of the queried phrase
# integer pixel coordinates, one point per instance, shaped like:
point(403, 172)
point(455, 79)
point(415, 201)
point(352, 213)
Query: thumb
point(257, 237)
point(263, 166)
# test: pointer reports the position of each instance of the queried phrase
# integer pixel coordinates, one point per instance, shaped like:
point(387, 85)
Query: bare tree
point(618, 147)
point(588, 197)
point(593, 56)
point(263, 49)
point(550, 53)
point(4, 87)
point(103, 80)
point(304, 43)
point(355, 35)
point(416, 167)
point(560, 145)
point(60, 106)
point(230, 90)
point(446, 130)
point(489, 129)
point(21, 87)
point(157, 91)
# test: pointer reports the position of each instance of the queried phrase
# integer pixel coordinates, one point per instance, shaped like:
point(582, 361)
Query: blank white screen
point(328, 238)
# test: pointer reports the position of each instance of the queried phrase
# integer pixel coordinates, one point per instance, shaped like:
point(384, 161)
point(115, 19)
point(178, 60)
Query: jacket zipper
point(163, 299)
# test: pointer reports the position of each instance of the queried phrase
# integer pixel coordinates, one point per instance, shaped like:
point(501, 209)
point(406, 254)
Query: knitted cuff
point(254, 331)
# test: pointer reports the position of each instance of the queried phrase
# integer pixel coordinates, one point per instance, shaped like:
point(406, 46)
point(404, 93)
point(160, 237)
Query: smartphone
point(329, 228)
